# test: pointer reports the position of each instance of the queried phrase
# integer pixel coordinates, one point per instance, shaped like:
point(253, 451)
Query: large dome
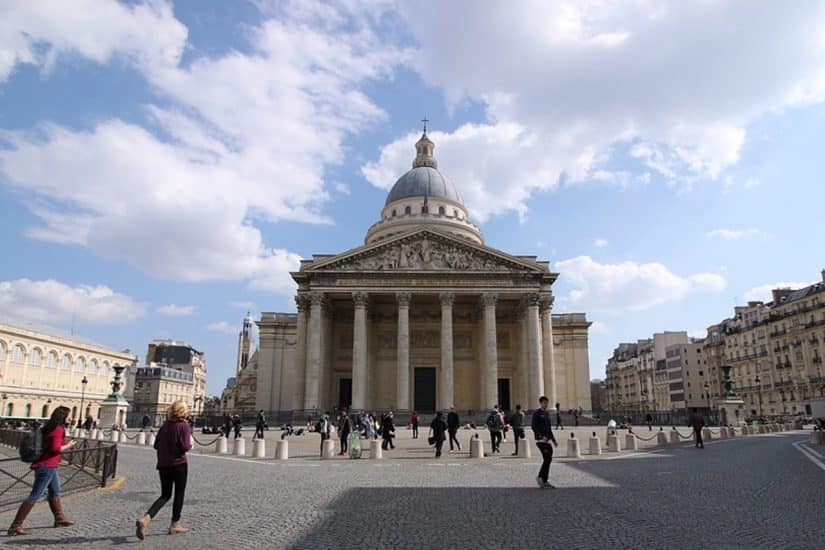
point(424, 181)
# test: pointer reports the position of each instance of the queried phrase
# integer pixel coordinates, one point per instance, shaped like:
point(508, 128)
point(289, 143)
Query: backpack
point(318, 426)
point(494, 422)
point(31, 445)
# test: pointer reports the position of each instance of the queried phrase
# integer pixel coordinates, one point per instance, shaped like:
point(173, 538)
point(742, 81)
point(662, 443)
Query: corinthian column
point(402, 388)
point(489, 382)
point(314, 353)
point(446, 386)
point(297, 401)
point(534, 353)
point(359, 351)
point(546, 307)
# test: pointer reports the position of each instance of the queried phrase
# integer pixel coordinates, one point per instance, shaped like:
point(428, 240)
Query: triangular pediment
point(425, 250)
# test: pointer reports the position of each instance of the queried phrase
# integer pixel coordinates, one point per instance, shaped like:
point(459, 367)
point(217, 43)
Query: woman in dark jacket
point(173, 441)
point(46, 474)
point(387, 431)
point(439, 429)
point(414, 424)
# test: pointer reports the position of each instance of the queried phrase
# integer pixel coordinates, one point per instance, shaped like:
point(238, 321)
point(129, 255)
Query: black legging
point(172, 475)
point(344, 437)
point(453, 438)
point(495, 440)
point(547, 457)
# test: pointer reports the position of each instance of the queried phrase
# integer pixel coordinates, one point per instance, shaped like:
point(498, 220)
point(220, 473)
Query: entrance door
point(504, 394)
point(424, 389)
point(344, 393)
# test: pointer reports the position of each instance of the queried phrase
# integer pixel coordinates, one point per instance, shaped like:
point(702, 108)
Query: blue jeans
point(44, 478)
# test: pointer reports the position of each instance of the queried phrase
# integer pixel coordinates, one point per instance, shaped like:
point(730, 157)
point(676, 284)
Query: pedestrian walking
point(387, 431)
point(558, 417)
point(146, 422)
point(542, 431)
point(438, 429)
point(649, 420)
point(517, 423)
point(323, 427)
point(697, 422)
point(495, 425)
point(260, 425)
point(174, 439)
point(227, 425)
point(576, 417)
point(344, 429)
point(414, 424)
point(453, 422)
point(236, 424)
point(46, 473)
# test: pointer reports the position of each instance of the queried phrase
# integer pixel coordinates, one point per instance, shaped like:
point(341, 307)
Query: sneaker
point(546, 485)
point(539, 482)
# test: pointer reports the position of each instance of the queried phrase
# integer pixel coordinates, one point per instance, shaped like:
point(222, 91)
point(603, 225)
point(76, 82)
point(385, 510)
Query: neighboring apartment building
point(41, 369)
point(687, 375)
point(776, 350)
point(156, 388)
point(181, 356)
point(598, 397)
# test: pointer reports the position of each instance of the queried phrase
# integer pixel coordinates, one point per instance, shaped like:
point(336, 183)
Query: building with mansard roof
point(423, 316)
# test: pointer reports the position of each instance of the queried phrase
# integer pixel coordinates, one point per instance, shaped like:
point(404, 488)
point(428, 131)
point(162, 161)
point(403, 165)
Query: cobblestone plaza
point(755, 492)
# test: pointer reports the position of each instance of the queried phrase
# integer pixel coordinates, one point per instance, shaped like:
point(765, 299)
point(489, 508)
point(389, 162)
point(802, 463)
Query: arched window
point(9, 409)
point(51, 359)
point(441, 210)
point(74, 414)
point(424, 209)
point(18, 354)
point(407, 210)
point(65, 362)
point(44, 412)
point(79, 365)
point(2, 351)
point(393, 212)
point(455, 213)
point(93, 366)
point(104, 368)
point(98, 413)
point(28, 410)
point(34, 357)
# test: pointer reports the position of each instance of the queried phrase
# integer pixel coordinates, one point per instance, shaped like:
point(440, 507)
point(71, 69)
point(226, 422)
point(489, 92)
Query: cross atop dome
point(424, 150)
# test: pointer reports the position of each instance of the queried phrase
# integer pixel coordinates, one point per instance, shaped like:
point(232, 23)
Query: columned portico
point(534, 354)
point(547, 348)
point(298, 385)
point(489, 374)
point(359, 351)
point(314, 352)
point(402, 399)
point(445, 389)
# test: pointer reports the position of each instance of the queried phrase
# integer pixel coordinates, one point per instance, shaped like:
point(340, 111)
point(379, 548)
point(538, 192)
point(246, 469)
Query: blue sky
point(163, 166)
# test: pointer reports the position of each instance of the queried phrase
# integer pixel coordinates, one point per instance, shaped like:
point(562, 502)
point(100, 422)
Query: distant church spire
point(424, 150)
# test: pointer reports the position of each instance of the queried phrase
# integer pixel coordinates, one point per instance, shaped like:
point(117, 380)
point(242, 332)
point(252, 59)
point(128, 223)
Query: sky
point(165, 165)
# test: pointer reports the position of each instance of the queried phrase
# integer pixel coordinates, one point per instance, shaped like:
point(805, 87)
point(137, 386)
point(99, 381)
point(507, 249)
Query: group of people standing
point(367, 424)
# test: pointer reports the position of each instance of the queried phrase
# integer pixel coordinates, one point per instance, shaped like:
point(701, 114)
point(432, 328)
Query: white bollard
point(573, 450)
point(328, 449)
point(731, 432)
point(93, 433)
point(661, 438)
point(282, 450)
point(123, 438)
point(115, 436)
point(613, 444)
point(259, 448)
point(595, 445)
point(151, 440)
point(630, 442)
point(723, 433)
point(376, 452)
point(221, 447)
point(239, 447)
point(524, 445)
point(141, 438)
point(706, 435)
point(101, 436)
point(674, 436)
point(476, 448)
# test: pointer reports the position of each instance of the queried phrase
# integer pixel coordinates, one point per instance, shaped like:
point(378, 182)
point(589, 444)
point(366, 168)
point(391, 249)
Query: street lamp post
point(759, 394)
point(82, 398)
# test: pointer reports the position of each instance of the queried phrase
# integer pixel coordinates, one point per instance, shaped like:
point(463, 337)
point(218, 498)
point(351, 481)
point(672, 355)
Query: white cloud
point(174, 310)
point(762, 293)
point(736, 234)
point(596, 80)
point(228, 157)
point(629, 285)
point(600, 328)
point(224, 327)
point(241, 304)
point(52, 301)
point(600, 243)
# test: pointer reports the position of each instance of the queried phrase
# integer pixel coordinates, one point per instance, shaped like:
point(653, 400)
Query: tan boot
point(176, 529)
point(17, 525)
point(57, 510)
point(141, 526)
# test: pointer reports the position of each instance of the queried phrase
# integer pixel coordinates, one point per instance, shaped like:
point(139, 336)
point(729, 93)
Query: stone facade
point(156, 388)
point(423, 316)
point(42, 370)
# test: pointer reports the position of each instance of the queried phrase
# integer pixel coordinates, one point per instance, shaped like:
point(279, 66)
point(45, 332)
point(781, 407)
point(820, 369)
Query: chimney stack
point(823, 275)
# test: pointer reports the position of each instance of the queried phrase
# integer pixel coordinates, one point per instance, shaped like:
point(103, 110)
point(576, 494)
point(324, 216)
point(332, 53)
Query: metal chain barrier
point(127, 435)
point(195, 439)
point(640, 438)
point(688, 436)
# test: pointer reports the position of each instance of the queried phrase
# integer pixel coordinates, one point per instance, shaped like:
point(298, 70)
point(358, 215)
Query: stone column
point(359, 351)
point(546, 307)
point(534, 353)
point(314, 354)
point(445, 390)
point(489, 381)
point(302, 303)
point(402, 387)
